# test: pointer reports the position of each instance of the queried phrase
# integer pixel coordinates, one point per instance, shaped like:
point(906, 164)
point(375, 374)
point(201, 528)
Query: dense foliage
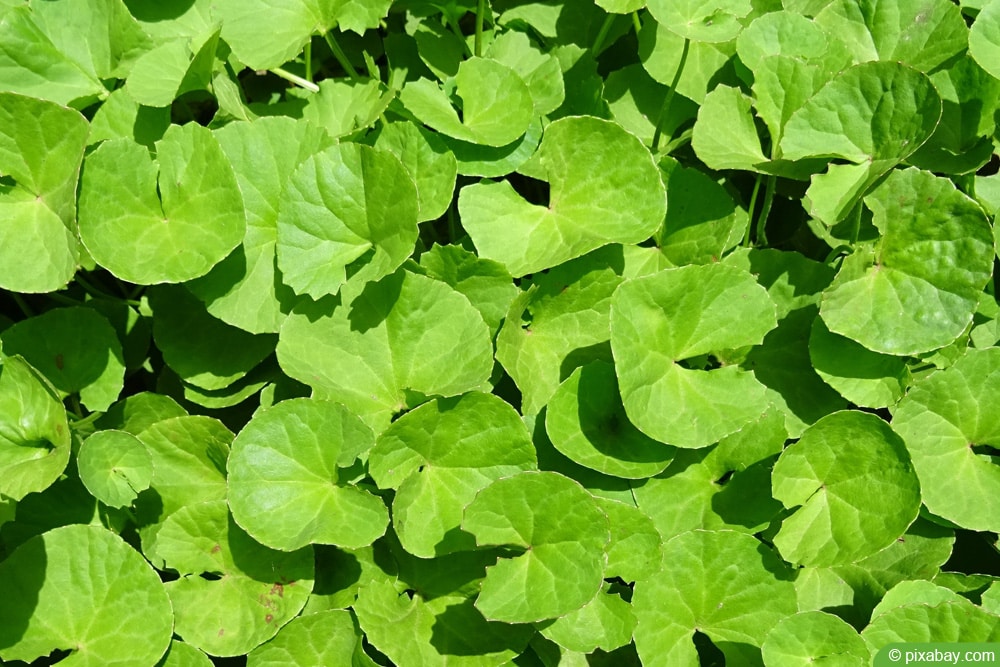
point(612, 332)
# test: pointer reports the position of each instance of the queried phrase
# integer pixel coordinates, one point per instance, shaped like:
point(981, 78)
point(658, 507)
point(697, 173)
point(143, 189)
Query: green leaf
point(343, 107)
point(783, 33)
point(561, 534)
point(244, 289)
point(594, 168)
point(485, 283)
point(203, 350)
point(325, 638)
point(34, 433)
point(134, 414)
point(492, 162)
point(122, 117)
point(636, 102)
point(951, 436)
point(932, 261)
point(497, 105)
point(707, 65)
point(725, 136)
point(586, 421)
point(393, 343)
point(606, 622)
point(944, 622)
point(922, 34)
point(183, 655)
point(445, 629)
point(540, 71)
point(865, 378)
point(984, 38)
point(173, 68)
point(713, 21)
point(265, 34)
point(115, 467)
point(634, 552)
point(429, 163)
point(167, 220)
point(75, 349)
point(41, 149)
point(713, 582)
point(347, 212)
point(676, 315)
point(252, 591)
point(851, 489)
point(290, 476)
point(117, 615)
point(812, 637)
point(438, 457)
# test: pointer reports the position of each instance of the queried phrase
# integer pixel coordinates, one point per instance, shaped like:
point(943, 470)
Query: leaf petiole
point(668, 100)
point(341, 57)
point(480, 11)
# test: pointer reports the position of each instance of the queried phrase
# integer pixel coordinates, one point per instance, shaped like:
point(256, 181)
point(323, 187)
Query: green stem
point(636, 23)
point(93, 290)
point(765, 211)
point(341, 57)
point(603, 34)
point(480, 11)
point(64, 300)
point(309, 60)
point(753, 205)
point(855, 224)
point(74, 402)
point(22, 304)
point(296, 79)
point(670, 95)
point(457, 29)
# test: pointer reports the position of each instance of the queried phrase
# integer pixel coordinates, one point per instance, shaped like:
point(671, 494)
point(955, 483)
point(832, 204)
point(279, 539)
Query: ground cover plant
point(608, 332)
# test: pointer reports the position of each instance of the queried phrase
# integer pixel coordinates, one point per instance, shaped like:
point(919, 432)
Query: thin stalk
point(603, 34)
point(457, 29)
point(480, 12)
point(22, 304)
point(855, 224)
point(309, 60)
point(753, 205)
point(296, 79)
point(765, 211)
point(341, 57)
point(74, 403)
point(452, 226)
point(64, 300)
point(670, 94)
point(636, 23)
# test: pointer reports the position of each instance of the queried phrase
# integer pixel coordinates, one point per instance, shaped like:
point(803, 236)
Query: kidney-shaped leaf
point(984, 38)
point(349, 211)
point(114, 615)
point(700, 21)
point(438, 457)
point(34, 433)
point(563, 534)
point(604, 188)
point(393, 344)
point(41, 149)
point(114, 466)
point(288, 473)
point(724, 584)
point(325, 638)
point(250, 591)
point(165, 220)
point(677, 315)
point(952, 432)
point(919, 288)
point(814, 637)
point(851, 487)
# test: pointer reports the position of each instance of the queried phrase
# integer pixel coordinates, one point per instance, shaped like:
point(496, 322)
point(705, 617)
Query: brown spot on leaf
point(268, 618)
point(216, 549)
point(279, 589)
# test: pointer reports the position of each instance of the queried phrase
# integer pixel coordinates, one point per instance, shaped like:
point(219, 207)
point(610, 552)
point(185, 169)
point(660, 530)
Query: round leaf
point(944, 622)
point(700, 21)
point(984, 38)
point(34, 433)
point(563, 533)
point(676, 315)
point(289, 474)
point(167, 220)
point(250, 591)
point(724, 584)
point(604, 188)
point(114, 466)
point(393, 343)
point(118, 615)
point(428, 162)
point(918, 288)
point(852, 488)
point(77, 351)
point(606, 622)
point(350, 211)
point(586, 421)
point(814, 637)
point(952, 432)
point(325, 638)
point(438, 457)
point(41, 149)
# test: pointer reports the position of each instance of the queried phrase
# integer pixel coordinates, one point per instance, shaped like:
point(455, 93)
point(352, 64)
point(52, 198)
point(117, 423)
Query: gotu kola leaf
point(116, 616)
point(389, 348)
point(604, 188)
point(347, 212)
point(114, 466)
point(984, 38)
point(673, 316)
point(918, 288)
point(289, 473)
point(167, 220)
point(563, 535)
point(41, 149)
point(437, 457)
